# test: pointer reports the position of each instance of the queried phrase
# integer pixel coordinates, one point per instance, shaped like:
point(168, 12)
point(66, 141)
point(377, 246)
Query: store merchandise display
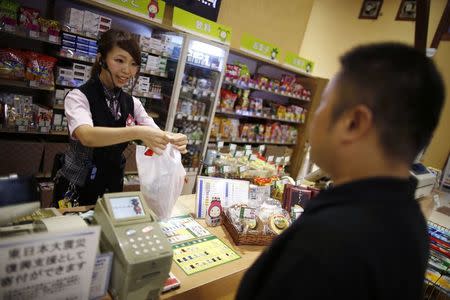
point(232, 130)
point(236, 100)
point(288, 85)
point(78, 47)
point(19, 113)
point(74, 76)
point(35, 68)
point(26, 21)
point(438, 270)
point(86, 22)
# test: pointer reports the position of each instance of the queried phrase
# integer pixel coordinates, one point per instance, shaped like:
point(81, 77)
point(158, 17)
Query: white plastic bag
point(161, 178)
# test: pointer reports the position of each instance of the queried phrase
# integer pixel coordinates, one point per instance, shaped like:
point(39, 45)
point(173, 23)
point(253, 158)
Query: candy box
point(28, 18)
point(286, 82)
point(232, 71)
point(227, 100)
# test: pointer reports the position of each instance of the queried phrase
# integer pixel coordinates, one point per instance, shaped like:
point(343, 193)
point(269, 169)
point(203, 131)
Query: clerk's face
point(121, 65)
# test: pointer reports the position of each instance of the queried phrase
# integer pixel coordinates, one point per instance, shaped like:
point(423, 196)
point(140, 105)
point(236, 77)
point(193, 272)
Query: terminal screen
point(126, 207)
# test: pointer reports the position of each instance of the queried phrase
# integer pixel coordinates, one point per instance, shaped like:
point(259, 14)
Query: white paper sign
point(270, 158)
point(229, 191)
point(57, 265)
point(232, 147)
point(101, 275)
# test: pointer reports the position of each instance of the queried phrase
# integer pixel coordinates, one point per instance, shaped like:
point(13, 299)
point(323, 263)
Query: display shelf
point(148, 95)
point(82, 34)
point(24, 84)
point(154, 73)
point(181, 115)
point(154, 52)
point(66, 84)
point(262, 89)
point(16, 31)
point(202, 67)
point(194, 142)
point(253, 116)
point(238, 141)
point(76, 58)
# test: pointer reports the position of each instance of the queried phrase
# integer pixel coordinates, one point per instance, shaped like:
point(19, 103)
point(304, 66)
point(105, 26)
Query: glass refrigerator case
point(196, 92)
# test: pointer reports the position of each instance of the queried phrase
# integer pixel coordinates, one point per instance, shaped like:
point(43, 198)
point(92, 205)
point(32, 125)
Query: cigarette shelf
point(238, 141)
point(253, 116)
point(15, 31)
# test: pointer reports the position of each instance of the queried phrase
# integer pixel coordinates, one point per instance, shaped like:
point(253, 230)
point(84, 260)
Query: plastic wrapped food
point(12, 64)
point(40, 69)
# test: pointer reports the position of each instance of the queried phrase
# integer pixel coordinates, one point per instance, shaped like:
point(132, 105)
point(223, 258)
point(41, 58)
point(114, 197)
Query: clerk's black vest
point(110, 156)
point(96, 171)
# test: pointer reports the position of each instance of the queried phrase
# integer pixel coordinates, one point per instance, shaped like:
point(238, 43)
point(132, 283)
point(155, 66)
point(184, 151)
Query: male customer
point(366, 237)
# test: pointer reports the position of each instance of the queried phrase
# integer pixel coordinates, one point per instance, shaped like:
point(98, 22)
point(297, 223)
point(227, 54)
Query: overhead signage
point(298, 63)
point(197, 25)
point(149, 9)
point(260, 48)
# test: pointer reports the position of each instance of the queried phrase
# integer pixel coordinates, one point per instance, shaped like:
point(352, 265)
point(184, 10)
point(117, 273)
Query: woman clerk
point(99, 115)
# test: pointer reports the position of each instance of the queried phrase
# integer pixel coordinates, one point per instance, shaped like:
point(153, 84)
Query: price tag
point(233, 147)
point(10, 28)
point(179, 116)
point(212, 95)
point(195, 92)
point(189, 118)
point(248, 152)
point(252, 157)
point(34, 34)
point(198, 142)
point(205, 93)
point(287, 159)
point(239, 154)
point(184, 89)
point(220, 145)
point(226, 169)
point(53, 38)
point(242, 169)
point(270, 158)
point(197, 118)
point(211, 170)
point(261, 149)
point(248, 147)
point(278, 160)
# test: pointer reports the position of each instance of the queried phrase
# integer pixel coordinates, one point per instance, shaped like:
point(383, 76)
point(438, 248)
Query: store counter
point(219, 282)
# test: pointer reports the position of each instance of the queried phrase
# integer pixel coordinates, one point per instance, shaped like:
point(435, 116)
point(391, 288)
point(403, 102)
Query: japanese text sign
point(200, 26)
point(298, 63)
point(259, 48)
point(48, 265)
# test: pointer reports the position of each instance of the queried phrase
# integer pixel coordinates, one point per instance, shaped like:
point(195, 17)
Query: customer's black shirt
point(362, 240)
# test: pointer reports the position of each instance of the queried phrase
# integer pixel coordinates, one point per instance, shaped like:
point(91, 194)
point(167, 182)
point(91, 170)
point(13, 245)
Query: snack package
point(260, 128)
point(293, 132)
point(49, 26)
point(262, 81)
point(227, 100)
point(281, 112)
point(244, 74)
point(234, 134)
point(243, 102)
point(244, 131)
point(225, 128)
point(12, 64)
point(256, 106)
point(284, 133)
point(275, 133)
point(28, 18)
point(40, 69)
point(267, 132)
point(252, 132)
point(232, 71)
point(286, 83)
point(215, 128)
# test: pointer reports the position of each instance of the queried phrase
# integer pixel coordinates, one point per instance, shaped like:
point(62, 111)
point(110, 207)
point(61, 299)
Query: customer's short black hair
point(402, 88)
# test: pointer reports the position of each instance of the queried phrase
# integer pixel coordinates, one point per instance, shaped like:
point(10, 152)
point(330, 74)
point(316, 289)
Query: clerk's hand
point(179, 140)
point(153, 138)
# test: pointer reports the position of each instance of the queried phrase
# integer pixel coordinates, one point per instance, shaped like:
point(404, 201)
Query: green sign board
point(259, 48)
point(149, 9)
point(298, 63)
point(200, 26)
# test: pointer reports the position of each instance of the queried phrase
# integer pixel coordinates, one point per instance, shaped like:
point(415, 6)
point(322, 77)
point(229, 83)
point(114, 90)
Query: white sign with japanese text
point(55, 265)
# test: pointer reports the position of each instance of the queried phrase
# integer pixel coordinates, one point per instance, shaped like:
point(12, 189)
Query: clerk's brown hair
point(121, 39)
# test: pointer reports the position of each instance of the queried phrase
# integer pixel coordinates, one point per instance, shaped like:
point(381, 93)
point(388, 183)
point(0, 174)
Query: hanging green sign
point(149, 9)
point(260, 48)
point(301, 64)
point(200, 26)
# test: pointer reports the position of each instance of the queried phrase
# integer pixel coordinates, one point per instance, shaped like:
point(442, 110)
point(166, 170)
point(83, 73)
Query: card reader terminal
point(142, 253)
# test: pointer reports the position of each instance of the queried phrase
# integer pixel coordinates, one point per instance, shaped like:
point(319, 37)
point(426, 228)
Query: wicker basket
point(246, 239)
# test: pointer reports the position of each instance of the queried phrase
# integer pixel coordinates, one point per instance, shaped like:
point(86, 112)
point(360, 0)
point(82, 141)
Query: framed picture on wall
point(370, 9)
point(407, 11)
